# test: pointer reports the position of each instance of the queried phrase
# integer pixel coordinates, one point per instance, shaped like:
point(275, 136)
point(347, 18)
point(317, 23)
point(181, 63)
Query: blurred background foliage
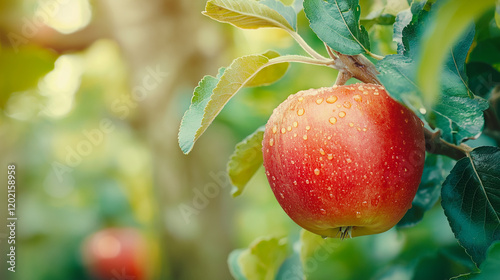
point(91, 156)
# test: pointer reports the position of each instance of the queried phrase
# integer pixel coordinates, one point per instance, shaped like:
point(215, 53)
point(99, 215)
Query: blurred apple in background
point(116, 253)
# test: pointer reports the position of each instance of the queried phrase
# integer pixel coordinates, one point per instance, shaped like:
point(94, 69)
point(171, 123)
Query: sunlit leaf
point(402, 20)
point(193, 117)
point(448, 23)
point(471, 201)
point(21, 70)
point(436, 169)
point(245, 161)
point(260, 261)
point(336, 22)
point(497, 14)
point(287, 12)
point(212, 94)
point(270, 74)
point(246, 14)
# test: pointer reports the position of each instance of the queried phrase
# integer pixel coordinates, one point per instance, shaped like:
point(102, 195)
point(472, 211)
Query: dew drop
point(333, 120)
point(402, 112)
point(365, 203)
point(347, 104)
point(292, 162)
point(300, 111)
point(283, 130)
point(376, 92)
point(308, 128)
point(282, 196)
point(331, 99)
point(361, 88)
point(358, 214)
point(319, 101)
point(357, 98)
point(274, 178)
point(406, 120)
point(289, 128)
point(295, 135)
point(342, 114)
point(323, 211)
point(348, 160)
point(307, 181)
point(295, 183)
point(330, 156)
point(331, 195)
point(321, 151)
point(304, 137)
point(271, 142)
point(275, 129)
point(316, 171)
point(295, 124)
point(351, 124)
point(301, 99)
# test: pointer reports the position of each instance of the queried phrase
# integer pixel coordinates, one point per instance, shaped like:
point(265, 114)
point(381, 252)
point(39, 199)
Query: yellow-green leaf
point(245, 161)
point(246, 14)
point(212, 94)
point(261, 261)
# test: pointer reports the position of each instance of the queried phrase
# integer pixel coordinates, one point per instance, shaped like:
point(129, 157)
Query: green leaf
point(482, 78)
point(487, 51)
point(193, 117)
point(245, 161)
point(21, 70)
point(261, 261)
point(268, 75)
point(377, 18)
point(336, 22)
point(411, 32)
point(402, 20)
point(234, 266)
point(490, 268)
point(212, 94)
point(429, 191)
point(471, 201)
point(287, 12)
point(246, 14)
point(446, 26)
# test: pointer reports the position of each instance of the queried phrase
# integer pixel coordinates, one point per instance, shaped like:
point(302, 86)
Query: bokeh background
point(91, 98)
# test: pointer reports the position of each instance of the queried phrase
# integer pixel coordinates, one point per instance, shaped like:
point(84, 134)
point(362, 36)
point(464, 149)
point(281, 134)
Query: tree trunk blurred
point(172, 37)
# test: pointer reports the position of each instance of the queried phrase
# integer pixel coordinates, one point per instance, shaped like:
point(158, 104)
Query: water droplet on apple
point(274, 178)
point(342, 114)
point(364, 203)
point(300, 111)
point(323, 211)
point(331, 99)
point(321, 151)
point(307, 182)
point(282, 196)
point(357, 98)
point(316, 171)
point(289, 128)
point(319, 100)
point(332, 120)
point(347, 104)
point(304, 137)
point(330, 156)
point(295, 183)
point(358, 214)
point(308, 128)
point(271, 142)
point(295, 124)
point(283, 130)
point(275, 129)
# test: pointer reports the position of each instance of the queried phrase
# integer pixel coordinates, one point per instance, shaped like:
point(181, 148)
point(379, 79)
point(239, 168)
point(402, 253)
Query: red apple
point(345, 160)
point(116, 253)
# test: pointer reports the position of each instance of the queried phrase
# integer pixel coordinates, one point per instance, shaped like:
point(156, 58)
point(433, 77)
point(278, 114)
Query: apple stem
point(434, 144)
point(342, 77)
point(344, 231)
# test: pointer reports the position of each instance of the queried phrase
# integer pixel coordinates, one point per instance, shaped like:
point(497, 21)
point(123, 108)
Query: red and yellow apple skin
point(344, 158)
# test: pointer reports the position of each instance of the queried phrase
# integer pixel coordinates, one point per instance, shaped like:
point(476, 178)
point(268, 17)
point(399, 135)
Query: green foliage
point(287, 12)
point(245, 161)
point(471, 200)
point(337, 24)
point(261, 261)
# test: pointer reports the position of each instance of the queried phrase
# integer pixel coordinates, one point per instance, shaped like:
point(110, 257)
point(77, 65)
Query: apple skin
point(116, 253)
point(344, 157)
